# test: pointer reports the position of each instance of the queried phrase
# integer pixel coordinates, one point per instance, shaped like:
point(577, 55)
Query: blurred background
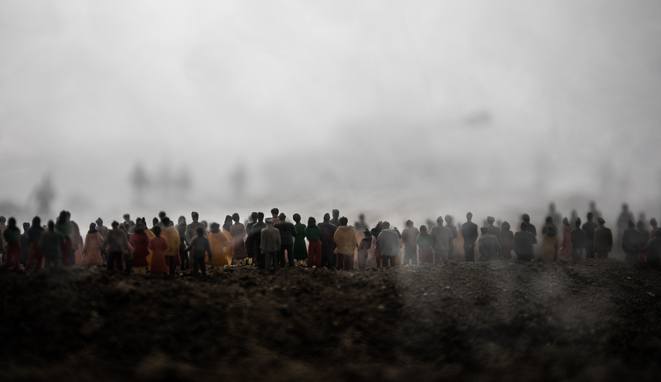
point(396, 108)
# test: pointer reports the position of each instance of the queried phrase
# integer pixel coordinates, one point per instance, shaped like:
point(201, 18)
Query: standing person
point(117, 245)
point(589, 227)
point(632, 243)
point(327, 231)
point(25, 247)
point(363, 249)
point(238, 231)
point(488, 245)
point(140, 243)
point(449, 224)
point(300, 250)
point(529, 227)
point(375, 234)
point(63, 227)
point(623, 222)
point(345, 245)
point(524, 242)
point(229, 250)
point(12, 238)
point(127, 225)
point(171, 237)
point(103, 230)
point(469, 233)
point(336, 217)
point(441, 241)
point(603, 240)
point(491, 228)
point(158, 246)
point(388, 245)
point(191, 229)
point(270, 245)
point(254, 235)
point(50, 246)
point(184, 241)
point(92, 248)
point(506, 239)
point(199, 247)
point(313, 234)
point(549, 240)
point(220, 246)
point(553, 213)
point(653, 250)
point(35, 257)
point(578, 241)
point(425, 246)
point(274, 216)
point(410, 239)
point(287, 233)
point(566, 247)
point(3, 226)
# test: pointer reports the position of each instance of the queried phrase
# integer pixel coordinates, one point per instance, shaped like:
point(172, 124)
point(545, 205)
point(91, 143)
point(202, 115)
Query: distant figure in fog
point(300, 249)
point(449, 223)
point(199, 249)
point(491, 228)
point(441, 241)
point(623, 221)
point(410, 239)
point(227, 226)
point(566, 246)
point(158, 246)
point(593, 209)
point(313, 234)
point(51, 246)
point(327, 231)
point(345, 245)
point(573, 218)
point(287, 232)
point(654, 226)
point(632, 243)
point(238, 231)
point(589, 227)
point(529, 227)
point(270, 245)
point(506, 239)
point(103, 230)
point(603, 240)
point(524, 242)
point(388, 245)
point(12, 238)
point(35, 257)
point(363, 249)
point(578, 241)
point(336, 217)
point(469, 233)
point(488, 245)
point(549, 240)
point(653, 250)
point(553, 213)
point(425, 246)
point(128, 224)
point(92, 248)
point(361, 224)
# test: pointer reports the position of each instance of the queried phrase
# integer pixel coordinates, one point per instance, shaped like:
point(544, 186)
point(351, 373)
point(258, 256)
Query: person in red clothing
point(158, 246)
point(313, 234)
point(140, 243)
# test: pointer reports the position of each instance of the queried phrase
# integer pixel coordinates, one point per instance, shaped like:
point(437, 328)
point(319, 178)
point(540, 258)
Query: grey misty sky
point(88, 88)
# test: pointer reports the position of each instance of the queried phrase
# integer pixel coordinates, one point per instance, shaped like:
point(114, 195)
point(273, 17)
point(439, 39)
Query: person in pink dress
point(158, 246)
point(91, 253)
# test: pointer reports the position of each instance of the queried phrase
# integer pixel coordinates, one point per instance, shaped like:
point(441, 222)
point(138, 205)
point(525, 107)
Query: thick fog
point(396, 108)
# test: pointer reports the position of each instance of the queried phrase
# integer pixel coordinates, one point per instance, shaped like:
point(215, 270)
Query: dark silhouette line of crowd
point(269, 244)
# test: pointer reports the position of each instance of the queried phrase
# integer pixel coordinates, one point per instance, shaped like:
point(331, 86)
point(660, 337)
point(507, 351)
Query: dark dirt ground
point(598, 320)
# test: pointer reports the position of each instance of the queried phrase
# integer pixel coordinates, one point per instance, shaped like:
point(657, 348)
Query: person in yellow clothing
point(171, 236)
point(229, 250)
point(220, 244)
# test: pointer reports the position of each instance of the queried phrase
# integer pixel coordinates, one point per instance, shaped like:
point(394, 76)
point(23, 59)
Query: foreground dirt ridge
point(486, 321)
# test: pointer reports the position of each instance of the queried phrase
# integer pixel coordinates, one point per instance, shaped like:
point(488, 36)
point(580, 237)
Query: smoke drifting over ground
point(386, 107)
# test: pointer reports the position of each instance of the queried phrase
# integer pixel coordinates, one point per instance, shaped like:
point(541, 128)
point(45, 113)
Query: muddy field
point(484, 321)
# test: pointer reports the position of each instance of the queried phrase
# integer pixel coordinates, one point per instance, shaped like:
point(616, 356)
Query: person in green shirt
point(313, 234)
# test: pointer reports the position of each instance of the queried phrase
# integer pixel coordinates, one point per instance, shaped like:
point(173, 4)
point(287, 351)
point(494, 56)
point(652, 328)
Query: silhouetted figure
point(3, 227)
point(51, 246)
point(199, 247)
point(25, 247)
point(361, 224)
point(140, 243)
point(191, 229)
point(12, 237)
point(287, 233)
point(588, 228)
point(313, 234)
point(623, 222)
point(64, 228)
point(327, 230)
point(388, 245)
point(566, 249)
point(227, 226)
point(375, 234)
point(139, 183)
point(506, 239)
point(633, 243)
point(185, 239)
point(573, 218)
point(158, 247)
point(35, 256)
point(275, 213)
point(488, 245)
point(593, 209)
point(549, 240)
point(555, 216)
point(345, 245)
point(103, 230)
point(336, 217)
point(491, 228)
point(449, 223)
point(654, 226)
point(603, 240)
point(116, 246)
point(524, 242)
point(238, 231)
point(128, 224)
point(469, 233)
point(441, 241)
point(300, 249)
point(252, 242)
point(410, 239)
point(653, 250)
point(363, 249)
point(425, 246)
point(578, 241)
point(92, 248)
point(529, 227)
point(270, 244)
point(44, 195)
point(161, 216)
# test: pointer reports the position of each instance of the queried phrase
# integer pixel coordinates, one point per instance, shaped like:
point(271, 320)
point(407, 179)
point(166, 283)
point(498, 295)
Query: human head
point(26, 226)
point(36, 221)
point(385, 225)
point(491, 220)
point(114, 224)
point(99, 222)
point(275, 212)
point(469, 216)
point(448, 219)
point(483, 230)
point(157, 231)
point(162, 215)
point(154, 222)
point(282, 217)
point(215, 227)
point(601, 221)
point(166, 221)
point(505, 226)
point(312, 222)
point(625, 207)
point(654, 223)
point(260, 216)
point(344, 221)
point(361, 217)
point(181, 220)
point(409, 223)
point(51, 226)
point(551, 207)
point(194, 215)
point(2, 220)
point(127, 217)
point(525, 218)
point(631, 224)
point(439, 221)
point(269, 222)
point(336, 213)
point(423, 229)
point(236, 217)
point(326, 217)
point(549, 220)
point(565, 221)
point(590, 216)
point(578, 222)
point(297, 218)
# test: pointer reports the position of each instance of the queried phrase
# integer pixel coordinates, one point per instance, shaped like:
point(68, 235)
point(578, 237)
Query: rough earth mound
point(486, 321)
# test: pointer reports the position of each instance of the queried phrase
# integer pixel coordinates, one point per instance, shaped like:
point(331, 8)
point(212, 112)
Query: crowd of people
point(275, 242)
